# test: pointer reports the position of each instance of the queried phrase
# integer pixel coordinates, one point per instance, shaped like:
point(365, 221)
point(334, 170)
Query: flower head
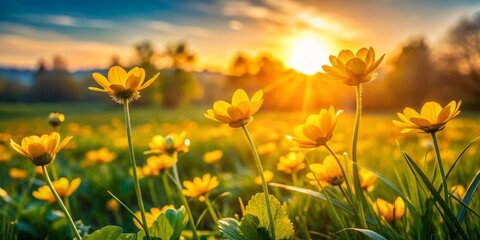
point(17, 174)
point(292, 162)
point(113, 205)
point(199, 187)
point(41, 150)
point(122, 86)
point(352, 69)
point(56, 119)
point(317, 130)
point(390, 212)
point(158, 164)
point(213, 156)
point(328, 173)
point(367, 179)
point(458, 191)
point(102, 155)
point(169, 144)
point(63, 186)
point(5, 155)
point(432, 117)
point(240, 112)
point(151, 216)
point(268, 177)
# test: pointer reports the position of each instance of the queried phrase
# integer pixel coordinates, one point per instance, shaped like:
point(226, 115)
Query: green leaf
point(257, 207)
point(108, 232)
point(468, 197)
point(169, 225)
point(459, 156)
point(369, 233)
point(248, 227)
point(126, 236)
point(229, 229)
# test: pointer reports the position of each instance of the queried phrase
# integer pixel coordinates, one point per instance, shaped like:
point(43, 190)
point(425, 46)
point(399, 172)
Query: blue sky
point(87, 33)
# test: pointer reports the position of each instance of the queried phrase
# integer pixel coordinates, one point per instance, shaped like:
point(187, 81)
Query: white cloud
point(69, 21)
point(178, 30)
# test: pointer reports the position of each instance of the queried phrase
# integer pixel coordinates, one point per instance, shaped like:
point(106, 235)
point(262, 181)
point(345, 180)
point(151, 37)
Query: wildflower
point(158, 164)
point(317, 130)
point(39, 170)
point(172, 143)
point(56, 119)
point(432, 118)
point(4, 195)
point(102, 155)
point(458, 191)
point(267, 148)
point(240, 112)
point(292, 162)
point(113, 205)
point(151, 216)
point(367, 179)
point(63, 186)
point(17, 174)
point(268, 177)
point(213, 156)
point(328, 172)
point(199, 187)
point(388, 211)
point(4, 154)
point(352, 69)
point(122, 86)
point(41, 150)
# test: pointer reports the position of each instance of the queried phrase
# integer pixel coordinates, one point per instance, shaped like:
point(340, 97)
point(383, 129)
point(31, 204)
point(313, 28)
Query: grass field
point(97, 126)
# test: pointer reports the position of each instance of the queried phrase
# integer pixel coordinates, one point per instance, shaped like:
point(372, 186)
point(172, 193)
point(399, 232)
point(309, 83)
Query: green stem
point(182, 197)
point(153, 192)
point(133, 164)
point(166, 187)
point(211, 210)
point(60, 203)
point(262, 177)
point(356, 177)
point(440, 166)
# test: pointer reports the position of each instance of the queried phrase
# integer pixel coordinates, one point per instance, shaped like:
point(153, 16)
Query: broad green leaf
point(369, 233)
point(257, 207)
point(126, 236)
point(108, 232)
point(248, 227)
point(472, 188)
point(177, 219)
point(229, 229)
point(169, 225)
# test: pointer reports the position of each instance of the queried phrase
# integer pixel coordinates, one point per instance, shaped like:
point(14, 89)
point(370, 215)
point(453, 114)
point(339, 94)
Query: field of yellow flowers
point(232, 171)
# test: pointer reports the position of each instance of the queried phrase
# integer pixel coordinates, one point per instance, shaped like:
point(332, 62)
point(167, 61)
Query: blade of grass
point(128, 209)
point(472, 188)
point(369, 233)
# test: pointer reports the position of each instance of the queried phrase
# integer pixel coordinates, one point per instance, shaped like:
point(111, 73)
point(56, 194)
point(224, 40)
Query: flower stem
point(153, 192)
point(262, 177)
point(440, 166)
point(211, 210)
point(166, 187)
point(60, 203)
point(356, 177)
point(182, 197)
point(133, 164)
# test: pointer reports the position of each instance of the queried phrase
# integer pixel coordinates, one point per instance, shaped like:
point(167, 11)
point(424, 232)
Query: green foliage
point(169, 225)
point(109, 232)
point(255, 223)
point(369, 233)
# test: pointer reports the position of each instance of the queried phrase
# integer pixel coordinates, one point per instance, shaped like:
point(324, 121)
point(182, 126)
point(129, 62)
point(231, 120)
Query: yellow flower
point(56, 119)
point(151, 216)
point(293, 162)
point(352, 69)
point(169, 144)
point(328, 173)
point(17, 174)
point(388, 211)
point(240, 112)
point(317, 130)
point(268, 177)
point(213, 156)
point(267, 148)
point(458, 191)
point(199, 187)
point(4, 154)
point(122, 86)
point(432, 117)
point(63, 186)
point(41, 150)
point(367, 179)
point(4, 195)
point(158, 164)
point(113, 205)
point(102, 155)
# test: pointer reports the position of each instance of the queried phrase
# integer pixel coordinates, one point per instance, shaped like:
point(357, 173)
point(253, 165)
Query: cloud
point(179, 30)
point(69, 21)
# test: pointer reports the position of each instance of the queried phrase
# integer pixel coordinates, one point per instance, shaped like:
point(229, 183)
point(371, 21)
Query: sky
point(88, 33)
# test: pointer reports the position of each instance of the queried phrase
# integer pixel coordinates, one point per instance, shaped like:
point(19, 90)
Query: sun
point(308, 54)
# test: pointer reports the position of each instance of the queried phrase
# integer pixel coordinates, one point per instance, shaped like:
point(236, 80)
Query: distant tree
point(179, 56)
point(12, 91)
point(145, 53)
point(240, 65)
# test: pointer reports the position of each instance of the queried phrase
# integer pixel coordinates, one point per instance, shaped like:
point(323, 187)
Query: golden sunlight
point(308, 54)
